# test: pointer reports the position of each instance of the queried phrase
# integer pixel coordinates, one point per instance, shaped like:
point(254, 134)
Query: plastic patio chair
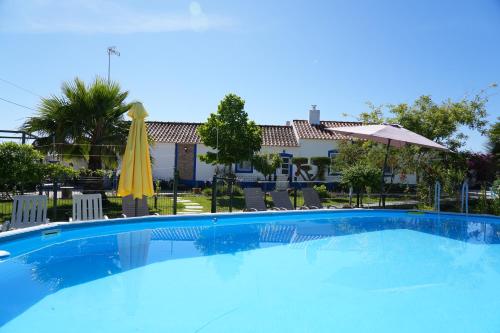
point(312, 200)
point(282, 201)
point(87, 207)
point(27, 211)
point(254, 200)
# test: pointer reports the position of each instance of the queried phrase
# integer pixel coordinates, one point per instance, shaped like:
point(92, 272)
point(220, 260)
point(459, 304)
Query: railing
point(464, 198)
point(225, 194)
point(437, 196)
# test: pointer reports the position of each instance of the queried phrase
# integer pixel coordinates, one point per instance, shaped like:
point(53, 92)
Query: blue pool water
point(351, 271)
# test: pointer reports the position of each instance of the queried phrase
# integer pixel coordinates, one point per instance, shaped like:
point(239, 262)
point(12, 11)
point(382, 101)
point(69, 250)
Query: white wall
point(164, 157)
point(204, 171)
point(164, 160)
point(315, 148)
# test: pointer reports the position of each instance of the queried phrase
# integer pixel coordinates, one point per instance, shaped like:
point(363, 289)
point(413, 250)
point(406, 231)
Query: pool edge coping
point(27, 232)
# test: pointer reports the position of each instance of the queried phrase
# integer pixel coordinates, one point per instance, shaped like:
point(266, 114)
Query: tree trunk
point(95, 185)
point(95, 159)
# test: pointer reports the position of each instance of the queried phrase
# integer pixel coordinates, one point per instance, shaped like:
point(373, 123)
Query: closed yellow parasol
point(136, 178)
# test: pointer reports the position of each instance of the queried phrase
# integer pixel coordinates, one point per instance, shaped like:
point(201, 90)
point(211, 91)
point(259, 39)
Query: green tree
point(231, 132)
point(441, 122)
point(359, 176)
point(266, 164)
point(87, 122)
point(25, 168)
point(20, 170)
point(494, 144)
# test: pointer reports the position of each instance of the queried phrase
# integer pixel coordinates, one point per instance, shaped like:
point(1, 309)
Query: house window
point(244, 167)
point(285, 165)
point(333, 169)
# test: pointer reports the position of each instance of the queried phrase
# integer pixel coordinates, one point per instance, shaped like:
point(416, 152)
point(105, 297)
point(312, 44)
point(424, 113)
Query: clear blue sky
point(181, 57)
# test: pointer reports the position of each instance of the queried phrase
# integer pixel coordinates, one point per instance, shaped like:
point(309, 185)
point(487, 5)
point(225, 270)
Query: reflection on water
point(30, 277)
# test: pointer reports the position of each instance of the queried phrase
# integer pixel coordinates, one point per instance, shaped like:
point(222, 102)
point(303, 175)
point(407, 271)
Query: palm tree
point(85, 122)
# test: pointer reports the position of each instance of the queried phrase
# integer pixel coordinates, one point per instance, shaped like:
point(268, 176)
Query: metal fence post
point(351, 190)
point(176, 180)
point(464, 198)
point(54, 199)
point(214, 194)
point(437, 196)
point(295, 196)
point(230, 195)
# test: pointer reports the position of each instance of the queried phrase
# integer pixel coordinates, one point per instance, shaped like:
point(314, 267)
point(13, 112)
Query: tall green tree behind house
point(86, 121)
point(441, 122)
point(231, 132)
point(494, 144)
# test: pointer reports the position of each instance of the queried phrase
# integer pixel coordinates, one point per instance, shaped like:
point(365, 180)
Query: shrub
point(237, 191)
point(21, 167)
point(84, 172)
point(266, 164)
point(322, 190)
point(299, 160)
point(57, 171)
point(322, 163)
point(360, 176)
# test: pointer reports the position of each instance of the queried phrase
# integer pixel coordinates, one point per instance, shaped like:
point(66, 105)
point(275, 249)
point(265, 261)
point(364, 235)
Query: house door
point(285, 170)
point(186, 161)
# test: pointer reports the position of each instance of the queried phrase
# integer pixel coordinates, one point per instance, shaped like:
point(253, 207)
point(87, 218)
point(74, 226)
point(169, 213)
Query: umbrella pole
point(136, 201)
point(382, 181)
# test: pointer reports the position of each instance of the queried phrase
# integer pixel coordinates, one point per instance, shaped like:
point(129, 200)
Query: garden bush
point(322, 190)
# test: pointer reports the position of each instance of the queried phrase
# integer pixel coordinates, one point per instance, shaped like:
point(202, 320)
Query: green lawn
point(239, 202)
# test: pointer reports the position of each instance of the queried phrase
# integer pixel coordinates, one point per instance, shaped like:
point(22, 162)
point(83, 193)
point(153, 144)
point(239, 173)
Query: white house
point(177, 145)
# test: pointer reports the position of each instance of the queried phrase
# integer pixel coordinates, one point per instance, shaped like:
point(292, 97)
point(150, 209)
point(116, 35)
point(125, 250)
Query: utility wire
point(78, 144)
point(19, 87)
point(20, 105)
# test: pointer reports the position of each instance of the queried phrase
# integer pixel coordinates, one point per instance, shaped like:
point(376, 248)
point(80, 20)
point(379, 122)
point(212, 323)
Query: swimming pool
point(322, 271)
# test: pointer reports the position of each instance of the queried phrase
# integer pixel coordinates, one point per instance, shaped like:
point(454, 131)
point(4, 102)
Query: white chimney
point(288, 123)
point(314, 116)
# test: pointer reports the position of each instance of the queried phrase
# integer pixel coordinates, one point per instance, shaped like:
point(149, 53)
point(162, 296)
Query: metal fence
point(225, 194)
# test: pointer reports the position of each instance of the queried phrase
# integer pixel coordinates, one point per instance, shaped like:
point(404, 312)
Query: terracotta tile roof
point(305, 130)
point(274, 135)
point(179, 132)
point(174, 132)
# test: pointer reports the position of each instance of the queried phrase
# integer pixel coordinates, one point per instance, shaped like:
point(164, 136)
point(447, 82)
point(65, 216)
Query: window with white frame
point(333, 169)
point(244, 166)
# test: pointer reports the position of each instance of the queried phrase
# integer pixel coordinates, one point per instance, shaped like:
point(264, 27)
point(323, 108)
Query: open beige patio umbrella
point(136, 178)
point(390, 135)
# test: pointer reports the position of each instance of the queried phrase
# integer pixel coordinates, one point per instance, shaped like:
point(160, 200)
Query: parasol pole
point(382, 182)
